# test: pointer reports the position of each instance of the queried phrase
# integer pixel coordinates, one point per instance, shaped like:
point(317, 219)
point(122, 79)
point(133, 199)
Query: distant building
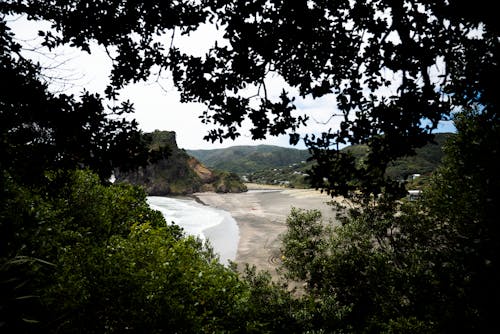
point(414, 194)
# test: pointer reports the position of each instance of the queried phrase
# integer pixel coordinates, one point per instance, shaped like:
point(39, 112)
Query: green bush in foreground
point(429, 266)
point(83, 257)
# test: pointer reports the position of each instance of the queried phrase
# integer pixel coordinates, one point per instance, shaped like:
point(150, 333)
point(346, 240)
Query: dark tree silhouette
point(435, 55)
point(42, 131)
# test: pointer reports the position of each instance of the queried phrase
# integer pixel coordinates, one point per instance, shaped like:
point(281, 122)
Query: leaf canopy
point(392, 65)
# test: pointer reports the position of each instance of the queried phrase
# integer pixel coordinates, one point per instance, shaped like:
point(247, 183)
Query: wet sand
point(261, 214)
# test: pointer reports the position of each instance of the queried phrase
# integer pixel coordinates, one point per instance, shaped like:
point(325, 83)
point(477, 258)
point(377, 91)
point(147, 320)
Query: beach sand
point(261, 214)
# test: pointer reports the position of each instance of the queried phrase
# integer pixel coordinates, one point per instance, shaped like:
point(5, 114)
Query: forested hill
point(179, 173)
point(424, 161)
point(279, 165)
point(249, 159)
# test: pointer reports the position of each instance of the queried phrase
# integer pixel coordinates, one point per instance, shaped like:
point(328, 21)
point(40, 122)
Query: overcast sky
point(157, 103)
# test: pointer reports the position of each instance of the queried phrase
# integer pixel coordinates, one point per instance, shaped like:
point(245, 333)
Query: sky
point(157, 102)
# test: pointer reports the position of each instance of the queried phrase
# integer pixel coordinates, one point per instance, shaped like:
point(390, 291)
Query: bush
point(84, 257)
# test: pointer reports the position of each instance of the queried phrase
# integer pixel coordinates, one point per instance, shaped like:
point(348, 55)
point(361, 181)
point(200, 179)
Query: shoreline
point(217, 235)
point(201, 220)
point(261, 219)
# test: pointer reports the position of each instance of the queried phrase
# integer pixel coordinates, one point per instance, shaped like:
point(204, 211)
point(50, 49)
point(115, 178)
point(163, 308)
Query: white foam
point(200, 220)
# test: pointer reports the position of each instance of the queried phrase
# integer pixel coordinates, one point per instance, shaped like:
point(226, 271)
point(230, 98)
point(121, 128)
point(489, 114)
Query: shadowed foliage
point(397, 68)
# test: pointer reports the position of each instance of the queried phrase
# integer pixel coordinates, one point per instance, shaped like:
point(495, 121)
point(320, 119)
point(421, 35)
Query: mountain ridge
point(244, 159)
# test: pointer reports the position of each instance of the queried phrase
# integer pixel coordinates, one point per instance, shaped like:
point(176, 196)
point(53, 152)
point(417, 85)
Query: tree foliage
point(44, 131)
point(391, 65)
point(79, 256)
point(425, 266)
point(302, 242)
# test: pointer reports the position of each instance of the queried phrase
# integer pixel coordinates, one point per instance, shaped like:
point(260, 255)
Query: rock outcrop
point(179, 173)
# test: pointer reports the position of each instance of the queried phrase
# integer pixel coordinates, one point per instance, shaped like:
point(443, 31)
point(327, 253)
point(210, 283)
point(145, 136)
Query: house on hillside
point(414, 194)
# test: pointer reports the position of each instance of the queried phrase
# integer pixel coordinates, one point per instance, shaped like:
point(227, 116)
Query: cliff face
point(179, 173)
point(205, 174)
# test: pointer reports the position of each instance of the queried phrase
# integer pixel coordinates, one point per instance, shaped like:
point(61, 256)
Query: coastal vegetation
point(81, 255)
point(422, 266)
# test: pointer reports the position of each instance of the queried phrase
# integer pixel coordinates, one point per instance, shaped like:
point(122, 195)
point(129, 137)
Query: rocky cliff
point(178, 173)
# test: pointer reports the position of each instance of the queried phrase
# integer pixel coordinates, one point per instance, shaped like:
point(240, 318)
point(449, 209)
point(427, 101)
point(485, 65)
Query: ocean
point(207, 223)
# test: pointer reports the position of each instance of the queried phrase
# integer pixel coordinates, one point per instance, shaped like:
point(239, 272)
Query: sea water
point(207, 223)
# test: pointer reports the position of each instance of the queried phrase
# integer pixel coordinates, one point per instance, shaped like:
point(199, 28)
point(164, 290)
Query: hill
point(426, 160)
point(423, 163)
point(278, 165)
point(249, 159)
point(179, 173)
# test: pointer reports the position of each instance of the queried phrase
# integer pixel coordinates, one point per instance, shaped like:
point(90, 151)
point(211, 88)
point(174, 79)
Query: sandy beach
point(261, 214)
